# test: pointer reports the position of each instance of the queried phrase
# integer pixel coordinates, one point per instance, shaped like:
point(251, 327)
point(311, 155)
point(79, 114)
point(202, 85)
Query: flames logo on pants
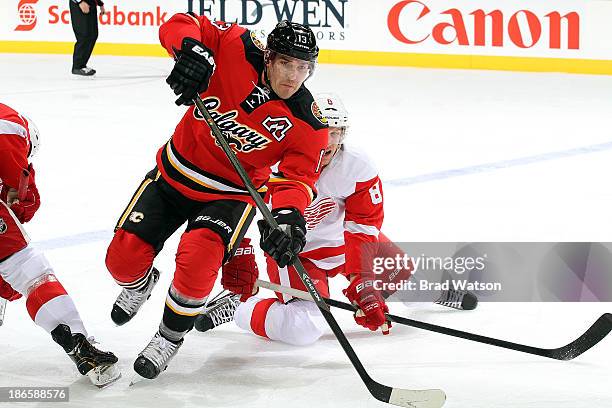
point(27, 15)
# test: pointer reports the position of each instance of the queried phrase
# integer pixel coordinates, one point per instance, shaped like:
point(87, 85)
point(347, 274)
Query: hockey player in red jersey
point(347, 213)
point(343, 225)
point(257, 97)
point(24, 270)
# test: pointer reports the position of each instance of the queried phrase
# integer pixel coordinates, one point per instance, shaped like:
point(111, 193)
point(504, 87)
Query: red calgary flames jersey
point(261, 128)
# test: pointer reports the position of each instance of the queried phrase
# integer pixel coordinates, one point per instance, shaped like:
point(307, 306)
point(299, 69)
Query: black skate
point(155, 357)
point(98, 365)
point(219, 311)
point(458, 299)
point(86, 71)
point(130, 301)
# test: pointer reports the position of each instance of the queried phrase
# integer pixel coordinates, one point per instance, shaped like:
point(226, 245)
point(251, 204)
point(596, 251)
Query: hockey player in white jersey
point(24, 270)
point(347, 213)
point(343, 235)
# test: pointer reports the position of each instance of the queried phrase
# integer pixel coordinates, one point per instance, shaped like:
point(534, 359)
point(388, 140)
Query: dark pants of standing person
point(85, 27)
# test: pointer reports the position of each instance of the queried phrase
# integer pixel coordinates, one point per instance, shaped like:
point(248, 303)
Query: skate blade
point(137, 378)
point(103, 376)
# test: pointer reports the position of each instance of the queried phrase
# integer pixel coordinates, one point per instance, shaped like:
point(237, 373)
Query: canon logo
point(523, 28)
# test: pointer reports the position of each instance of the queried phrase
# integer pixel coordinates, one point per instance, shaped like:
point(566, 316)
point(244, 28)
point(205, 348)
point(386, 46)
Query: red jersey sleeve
point(294, 184)
point(362, 222)
point(211, 34)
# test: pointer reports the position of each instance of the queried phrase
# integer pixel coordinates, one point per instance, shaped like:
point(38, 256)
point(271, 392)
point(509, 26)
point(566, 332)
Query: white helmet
point(34, 136)
point(333, 111)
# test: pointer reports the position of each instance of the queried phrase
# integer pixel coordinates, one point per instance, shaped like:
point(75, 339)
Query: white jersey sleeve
point(348, 210)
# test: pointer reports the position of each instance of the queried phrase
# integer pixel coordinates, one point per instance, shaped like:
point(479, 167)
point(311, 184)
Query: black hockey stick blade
point(597, 332)
point(378, 391)
point(591, 337)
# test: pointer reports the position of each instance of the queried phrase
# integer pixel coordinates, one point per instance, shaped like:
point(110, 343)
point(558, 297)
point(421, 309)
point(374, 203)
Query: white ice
point(546, 140)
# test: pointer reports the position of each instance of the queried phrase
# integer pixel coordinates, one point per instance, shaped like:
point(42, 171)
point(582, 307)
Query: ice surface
point(465, 155)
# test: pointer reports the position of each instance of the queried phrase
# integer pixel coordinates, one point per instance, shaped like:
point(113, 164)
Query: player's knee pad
point(24, 268)
point(298, 323)
point(198, 259)
point(303, 323)
point(128, 257)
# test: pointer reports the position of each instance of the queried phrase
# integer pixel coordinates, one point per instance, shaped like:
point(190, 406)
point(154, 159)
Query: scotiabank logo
point(27, 15)
point(412, 22)
point(115, 17)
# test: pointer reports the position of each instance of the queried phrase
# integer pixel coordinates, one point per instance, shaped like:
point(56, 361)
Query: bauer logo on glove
point(371, 307)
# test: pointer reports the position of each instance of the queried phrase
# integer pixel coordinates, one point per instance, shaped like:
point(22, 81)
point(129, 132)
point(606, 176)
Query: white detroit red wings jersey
point(347, 212)
point(14, 146)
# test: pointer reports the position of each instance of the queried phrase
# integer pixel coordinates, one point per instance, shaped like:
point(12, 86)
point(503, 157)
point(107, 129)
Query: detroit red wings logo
point(316, 111)
point(317, 211)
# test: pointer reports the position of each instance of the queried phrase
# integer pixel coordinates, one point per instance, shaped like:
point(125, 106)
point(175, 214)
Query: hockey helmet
point(294, 40)
point(333, 110)
point(34, 136)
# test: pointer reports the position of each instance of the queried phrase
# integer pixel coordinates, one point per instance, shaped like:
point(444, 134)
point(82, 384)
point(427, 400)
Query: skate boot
point(131, 300)
point(85, 71)
point(219, 311)
point(98, 365)
point(155, 357)
point(458, 299)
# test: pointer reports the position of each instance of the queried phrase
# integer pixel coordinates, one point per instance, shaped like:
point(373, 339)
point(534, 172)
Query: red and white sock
point(49, 305)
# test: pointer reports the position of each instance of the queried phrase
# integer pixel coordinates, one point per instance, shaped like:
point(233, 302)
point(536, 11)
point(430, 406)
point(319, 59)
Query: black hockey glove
point(191, 74)
point(283, 244)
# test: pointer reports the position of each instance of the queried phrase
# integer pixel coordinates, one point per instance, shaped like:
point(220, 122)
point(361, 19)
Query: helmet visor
point(291, 67)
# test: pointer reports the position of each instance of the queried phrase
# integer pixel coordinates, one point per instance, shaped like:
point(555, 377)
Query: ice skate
point(130, 301)
point(458, 299)
point(155, 357)
point(85, 71)
point(98, 365)
point(219, 311)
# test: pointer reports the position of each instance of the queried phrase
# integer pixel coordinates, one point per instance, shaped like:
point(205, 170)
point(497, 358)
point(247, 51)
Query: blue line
point(488, 167)
point(106, 235)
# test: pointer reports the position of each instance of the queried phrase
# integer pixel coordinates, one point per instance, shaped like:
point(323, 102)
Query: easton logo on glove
point(202, 52)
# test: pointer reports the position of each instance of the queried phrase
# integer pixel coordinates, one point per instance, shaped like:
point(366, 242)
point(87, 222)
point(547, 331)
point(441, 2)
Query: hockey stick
point(2, 310)
point(590, 338)
point(396, 396)
point(24, 179)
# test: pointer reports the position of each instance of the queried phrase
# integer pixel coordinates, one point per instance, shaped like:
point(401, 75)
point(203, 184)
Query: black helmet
point(294, 40)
